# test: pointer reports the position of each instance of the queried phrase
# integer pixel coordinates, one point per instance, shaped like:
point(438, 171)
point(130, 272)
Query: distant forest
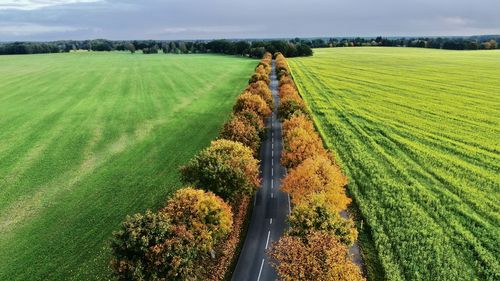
point(252, 48)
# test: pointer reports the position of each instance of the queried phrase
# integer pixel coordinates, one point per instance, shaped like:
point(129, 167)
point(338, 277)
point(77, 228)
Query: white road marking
point(272, 184)
point(268, 235)
point(272, 172)
point(272, 195)
point(289, 207)
point(272, 153)
point(271, 221)
point(260, 271)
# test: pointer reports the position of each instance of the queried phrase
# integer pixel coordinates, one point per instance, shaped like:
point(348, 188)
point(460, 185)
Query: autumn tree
point(317, 214)
point(300, 144)
point(317, 256)
point(317, 175)
point(226, 168)
point(261, 89)
point(149, 247)
point(203, 214)
point(252, 118)
point(255, 103)
point(239, 129)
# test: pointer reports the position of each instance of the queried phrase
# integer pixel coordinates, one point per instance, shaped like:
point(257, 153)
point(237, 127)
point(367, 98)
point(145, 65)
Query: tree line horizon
point(254, 48)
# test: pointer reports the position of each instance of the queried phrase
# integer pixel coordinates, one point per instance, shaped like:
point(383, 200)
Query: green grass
point(417, 131)
point(87, 138)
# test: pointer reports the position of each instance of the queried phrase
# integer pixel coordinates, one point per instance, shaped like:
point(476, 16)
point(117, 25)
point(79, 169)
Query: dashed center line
point(268, 235)
point(271, 221)
point(260, 271)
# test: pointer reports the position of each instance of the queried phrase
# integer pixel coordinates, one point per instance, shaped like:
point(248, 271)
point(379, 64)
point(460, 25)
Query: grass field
point(417, 131)
point(87, 138)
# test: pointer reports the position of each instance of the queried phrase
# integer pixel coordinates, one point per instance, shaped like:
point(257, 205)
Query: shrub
point(240, 130)
point(300, 144)
point(204, 214)
point(317, 175)
point(149, 247)
point(255, 103)
point(316, 214)
point(226, 168)
point(317, 256)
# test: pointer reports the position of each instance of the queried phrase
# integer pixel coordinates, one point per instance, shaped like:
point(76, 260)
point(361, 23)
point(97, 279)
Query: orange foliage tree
point(299, 144)
point(226, 168)
point(317, 256)
point(240, 130)
point(255, 103)
point(317, 214)
point(203, 214)
point(317, 175)
point(252, 118)
point(261, 89)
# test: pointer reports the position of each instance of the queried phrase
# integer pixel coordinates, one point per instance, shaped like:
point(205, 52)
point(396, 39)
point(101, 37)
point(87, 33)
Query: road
point(271, 205)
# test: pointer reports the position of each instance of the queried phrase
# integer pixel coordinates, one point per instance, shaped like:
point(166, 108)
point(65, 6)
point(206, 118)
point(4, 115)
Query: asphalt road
point(271, 205)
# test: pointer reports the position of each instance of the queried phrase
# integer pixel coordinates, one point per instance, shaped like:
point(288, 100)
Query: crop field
point(418, 132)
point(87, 138)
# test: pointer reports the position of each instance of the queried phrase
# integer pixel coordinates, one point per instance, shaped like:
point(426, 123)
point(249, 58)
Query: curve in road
point(271, 205)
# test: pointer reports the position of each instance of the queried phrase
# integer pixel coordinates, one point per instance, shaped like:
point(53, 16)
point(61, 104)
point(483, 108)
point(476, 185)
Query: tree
point(204, 214)
point(299, 145)
point(240, 130)
point(252, 118)
point(149, 247)
point(316, 214)
point(130, 47)
point(226, 168)
point(261, 89)
point(317, 175)
point(255, 103)
point(317, 256)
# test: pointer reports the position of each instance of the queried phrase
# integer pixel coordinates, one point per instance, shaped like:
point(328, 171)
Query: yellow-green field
point(418, 133)
point(87, 138)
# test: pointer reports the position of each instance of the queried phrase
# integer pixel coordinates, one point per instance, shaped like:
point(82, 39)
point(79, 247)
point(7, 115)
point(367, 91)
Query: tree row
point(196, 234)
point(315, 247)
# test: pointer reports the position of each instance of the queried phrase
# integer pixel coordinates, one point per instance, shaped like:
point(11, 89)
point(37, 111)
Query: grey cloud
point(208, 19)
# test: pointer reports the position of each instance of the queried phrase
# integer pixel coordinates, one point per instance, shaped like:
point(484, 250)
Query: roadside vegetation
point(316, 246)
point(417, 132)
point(87, 138)
point(197, 234)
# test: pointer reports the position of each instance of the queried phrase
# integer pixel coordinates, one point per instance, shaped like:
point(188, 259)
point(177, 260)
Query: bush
point(226, 168)
point(259, 77)
point(317, 256)
point(316, 214)
point(149, 247)
point(317, 175)
point(204, 214)
point(239, 129)
point(255, 103)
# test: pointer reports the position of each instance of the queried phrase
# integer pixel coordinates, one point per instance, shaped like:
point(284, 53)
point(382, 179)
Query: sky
point(46, 20)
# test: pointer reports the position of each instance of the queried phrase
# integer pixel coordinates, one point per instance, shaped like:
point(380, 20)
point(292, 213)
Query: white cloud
point(26, 29)
point(38, 4)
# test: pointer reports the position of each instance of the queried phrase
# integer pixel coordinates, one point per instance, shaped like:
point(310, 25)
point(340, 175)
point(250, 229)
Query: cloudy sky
point(209, 19)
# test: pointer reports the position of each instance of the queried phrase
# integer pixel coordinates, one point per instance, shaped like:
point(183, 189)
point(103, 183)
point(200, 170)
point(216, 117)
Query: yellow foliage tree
point(317, 256)
point(203, 214)
point(255, 103)
point(317, 175)
point(261, 89)
point(300, 144)
point(317, 214)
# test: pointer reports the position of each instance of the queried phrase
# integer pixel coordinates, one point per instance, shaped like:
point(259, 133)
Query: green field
point(418, 132)
point(87, 138)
